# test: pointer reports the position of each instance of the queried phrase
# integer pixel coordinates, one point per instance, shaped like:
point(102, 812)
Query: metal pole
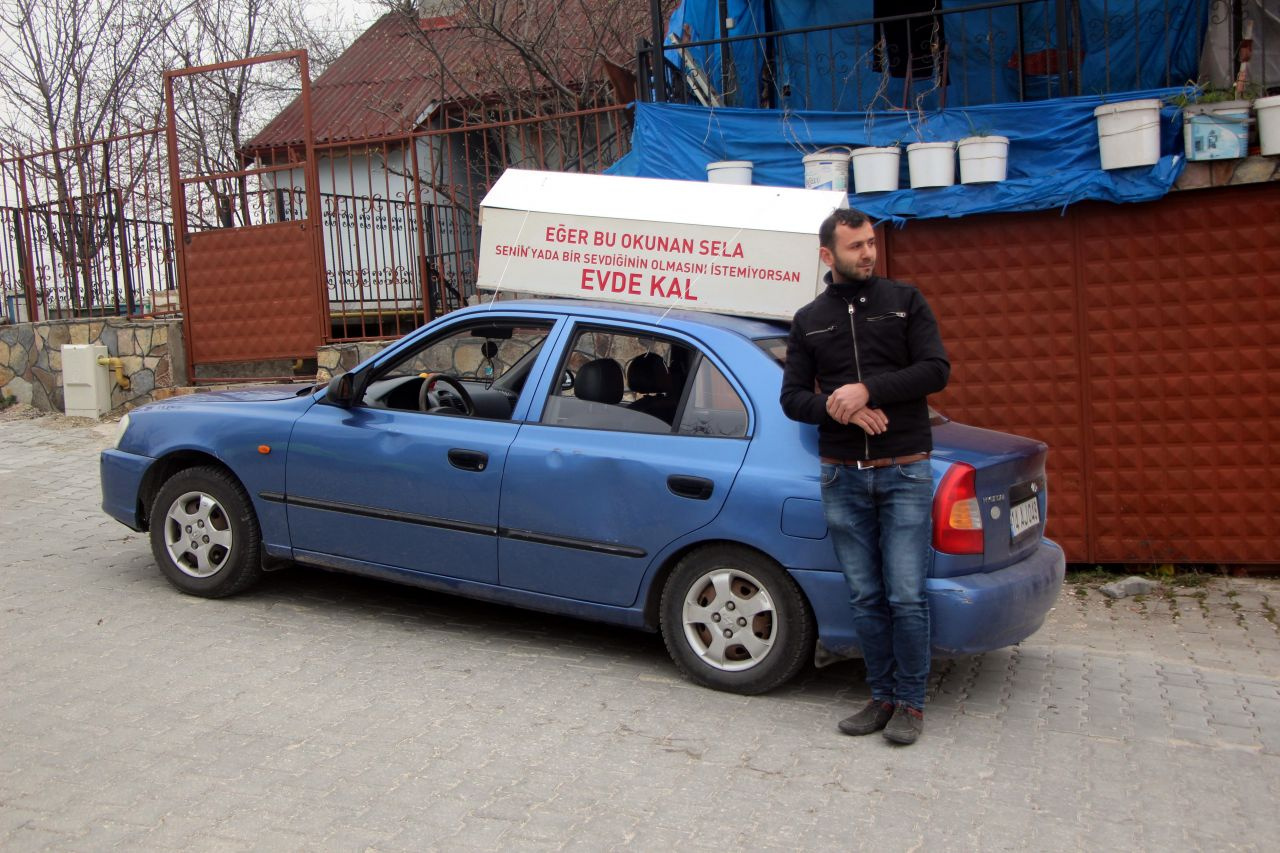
point(658, 63)
point(725, 58)
point(311, 178)
point(1064, 71)
point(129, 299)
point(1237, 33)
point(178, 191)
point(26, 247)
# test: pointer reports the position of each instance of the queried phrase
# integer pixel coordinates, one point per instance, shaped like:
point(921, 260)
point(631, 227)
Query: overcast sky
point(344, 17)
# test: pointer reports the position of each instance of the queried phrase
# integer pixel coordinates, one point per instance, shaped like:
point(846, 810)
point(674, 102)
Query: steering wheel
point(428, 400)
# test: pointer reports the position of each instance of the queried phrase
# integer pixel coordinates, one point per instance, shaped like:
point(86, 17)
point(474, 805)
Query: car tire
point(204, 533)
point(734, 620)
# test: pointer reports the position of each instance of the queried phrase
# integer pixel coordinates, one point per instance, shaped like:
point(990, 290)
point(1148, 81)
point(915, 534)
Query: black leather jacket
point(881, 333)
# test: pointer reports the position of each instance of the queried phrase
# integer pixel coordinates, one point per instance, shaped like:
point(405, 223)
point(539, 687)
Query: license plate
point(1024, 517)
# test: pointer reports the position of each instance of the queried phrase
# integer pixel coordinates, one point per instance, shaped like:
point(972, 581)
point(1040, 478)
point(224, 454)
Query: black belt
point(883, 462)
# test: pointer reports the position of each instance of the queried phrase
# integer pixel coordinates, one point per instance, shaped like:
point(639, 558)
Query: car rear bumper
point(984, 611)
point(121, 477)
point(969, 614)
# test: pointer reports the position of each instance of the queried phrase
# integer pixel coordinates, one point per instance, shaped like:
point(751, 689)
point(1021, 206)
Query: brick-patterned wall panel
point(252, 294)
point(1003, 288)
point(1182, 300)
point(1142, 343)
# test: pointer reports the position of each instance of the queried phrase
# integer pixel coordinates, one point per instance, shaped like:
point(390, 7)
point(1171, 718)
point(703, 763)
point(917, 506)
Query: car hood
point(247, 394)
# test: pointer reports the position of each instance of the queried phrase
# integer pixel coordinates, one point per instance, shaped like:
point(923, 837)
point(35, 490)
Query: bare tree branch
point(220, 110)
point(75, 71)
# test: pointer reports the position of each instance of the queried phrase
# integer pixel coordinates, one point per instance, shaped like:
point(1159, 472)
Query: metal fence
point(401, 214)
point(87, 230)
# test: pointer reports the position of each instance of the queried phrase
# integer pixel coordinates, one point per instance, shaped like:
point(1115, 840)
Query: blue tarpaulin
point(700, 20)
point(1053, 157)
point(978, 56)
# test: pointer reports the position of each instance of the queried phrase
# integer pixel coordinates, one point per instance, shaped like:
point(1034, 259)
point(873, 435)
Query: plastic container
point(932, 164)
point(827, 169)
point(983, 159)
point(875, 170)
point(1268, 111)
point(1218, 131)
point(1129, 133)
point(730, 172)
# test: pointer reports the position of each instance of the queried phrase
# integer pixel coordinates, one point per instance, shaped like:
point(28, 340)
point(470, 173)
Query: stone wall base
point(31, 358)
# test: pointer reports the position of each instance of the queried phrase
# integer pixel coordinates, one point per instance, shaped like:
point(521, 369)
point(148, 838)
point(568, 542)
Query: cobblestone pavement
point(322, 712)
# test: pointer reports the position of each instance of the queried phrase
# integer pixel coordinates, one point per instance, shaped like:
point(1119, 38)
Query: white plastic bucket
point(875, 170)
point(729, 172)
point(827, 169)
point(1268, 110)
point(1129, 133)
point(983, 159)
point(1218, 131)
point(932, 164)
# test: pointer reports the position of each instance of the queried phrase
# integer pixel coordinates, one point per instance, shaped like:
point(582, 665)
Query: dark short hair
point(840, 216)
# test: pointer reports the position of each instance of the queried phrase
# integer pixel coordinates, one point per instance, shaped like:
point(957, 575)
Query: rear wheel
point(734, 620)
point(204, 533)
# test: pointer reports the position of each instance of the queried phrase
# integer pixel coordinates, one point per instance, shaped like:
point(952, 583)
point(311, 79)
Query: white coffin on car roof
point(715, 247)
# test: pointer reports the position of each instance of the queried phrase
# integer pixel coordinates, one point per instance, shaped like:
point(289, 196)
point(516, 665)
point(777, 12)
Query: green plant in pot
point(984, 155)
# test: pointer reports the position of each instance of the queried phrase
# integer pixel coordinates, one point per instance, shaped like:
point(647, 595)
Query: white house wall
point(373, 258)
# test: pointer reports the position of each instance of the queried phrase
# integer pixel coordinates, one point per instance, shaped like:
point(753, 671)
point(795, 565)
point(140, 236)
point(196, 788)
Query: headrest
point(489, 349)
point(599, 381)
point(648, 374)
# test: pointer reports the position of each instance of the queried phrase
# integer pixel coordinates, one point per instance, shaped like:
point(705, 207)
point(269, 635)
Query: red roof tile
point(384, 83)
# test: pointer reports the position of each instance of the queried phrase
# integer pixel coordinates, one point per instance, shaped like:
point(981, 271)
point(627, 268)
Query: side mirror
point(566, 380)
point(342, 390)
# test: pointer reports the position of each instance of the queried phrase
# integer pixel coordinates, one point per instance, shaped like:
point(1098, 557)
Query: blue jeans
point(881, 523)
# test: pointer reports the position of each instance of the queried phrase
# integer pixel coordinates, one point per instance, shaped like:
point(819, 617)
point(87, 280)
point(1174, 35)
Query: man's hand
point(872, 421)
point(846, 401)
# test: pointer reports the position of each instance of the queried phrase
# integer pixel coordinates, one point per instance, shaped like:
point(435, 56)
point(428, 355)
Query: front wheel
point(734, 620)
point(204, 533)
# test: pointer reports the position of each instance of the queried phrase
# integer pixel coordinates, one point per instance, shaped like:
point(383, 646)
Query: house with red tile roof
point(420, 115)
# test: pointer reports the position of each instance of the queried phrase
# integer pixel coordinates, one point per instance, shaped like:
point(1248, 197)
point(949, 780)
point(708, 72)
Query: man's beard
point(851, 271)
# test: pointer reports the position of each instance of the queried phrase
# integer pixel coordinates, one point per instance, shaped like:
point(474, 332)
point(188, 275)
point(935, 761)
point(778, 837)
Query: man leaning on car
point(871, 348)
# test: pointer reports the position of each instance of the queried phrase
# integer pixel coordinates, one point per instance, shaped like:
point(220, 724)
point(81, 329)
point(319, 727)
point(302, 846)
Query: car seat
point(599, 381)
point(647, 374)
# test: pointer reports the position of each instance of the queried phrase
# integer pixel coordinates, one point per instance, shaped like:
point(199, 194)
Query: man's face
point(852, 256)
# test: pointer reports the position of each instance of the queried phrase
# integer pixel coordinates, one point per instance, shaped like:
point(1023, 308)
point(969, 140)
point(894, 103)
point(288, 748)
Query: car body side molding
point(570, 542)
point(613, 548)
point(383, 514)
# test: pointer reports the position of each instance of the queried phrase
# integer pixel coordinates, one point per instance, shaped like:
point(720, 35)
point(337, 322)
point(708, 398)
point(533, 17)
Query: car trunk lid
point(1010, 488)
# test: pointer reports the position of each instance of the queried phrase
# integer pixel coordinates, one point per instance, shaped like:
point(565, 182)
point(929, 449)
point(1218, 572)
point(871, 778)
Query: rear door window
point(613, 379)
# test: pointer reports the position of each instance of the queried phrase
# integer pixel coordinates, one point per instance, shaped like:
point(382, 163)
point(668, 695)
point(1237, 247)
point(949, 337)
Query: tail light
point(957, 517)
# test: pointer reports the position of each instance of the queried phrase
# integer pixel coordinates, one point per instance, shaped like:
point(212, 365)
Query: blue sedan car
point(627, 465)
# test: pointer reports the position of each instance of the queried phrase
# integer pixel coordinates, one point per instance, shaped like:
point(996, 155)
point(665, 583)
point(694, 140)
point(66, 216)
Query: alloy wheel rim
point(197, 534)
point(730, 620)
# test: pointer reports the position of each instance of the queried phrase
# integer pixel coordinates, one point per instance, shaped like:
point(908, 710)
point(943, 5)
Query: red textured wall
point(1142, 343)
point(251, 294)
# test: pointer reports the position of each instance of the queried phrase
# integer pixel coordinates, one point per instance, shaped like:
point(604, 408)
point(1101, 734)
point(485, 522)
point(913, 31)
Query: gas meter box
point(728, 248)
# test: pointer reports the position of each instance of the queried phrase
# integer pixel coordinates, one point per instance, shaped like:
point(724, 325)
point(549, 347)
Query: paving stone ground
point(322, 712)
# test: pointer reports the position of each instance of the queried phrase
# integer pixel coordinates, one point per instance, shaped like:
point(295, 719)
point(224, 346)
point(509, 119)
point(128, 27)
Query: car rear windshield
point(775, 348)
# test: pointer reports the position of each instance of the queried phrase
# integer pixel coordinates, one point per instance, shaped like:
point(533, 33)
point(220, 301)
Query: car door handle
point(684, 486)
point(468, 460)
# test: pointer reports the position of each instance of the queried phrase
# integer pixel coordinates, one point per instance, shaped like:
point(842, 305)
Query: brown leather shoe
point(870, 719)
point(905, 726)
